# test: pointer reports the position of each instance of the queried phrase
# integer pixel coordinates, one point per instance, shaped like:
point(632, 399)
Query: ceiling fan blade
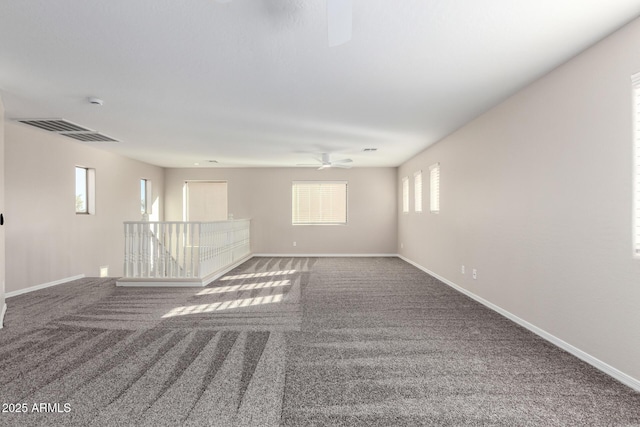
point(341, 165)
point(342, 161)
point(339, 21)
point(324, 167)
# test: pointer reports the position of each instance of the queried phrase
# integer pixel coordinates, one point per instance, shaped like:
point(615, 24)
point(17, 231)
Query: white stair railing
point(183, 250)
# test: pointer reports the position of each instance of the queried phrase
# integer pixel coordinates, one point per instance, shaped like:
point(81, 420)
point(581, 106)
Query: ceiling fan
point(326, 162)
point(339, 20)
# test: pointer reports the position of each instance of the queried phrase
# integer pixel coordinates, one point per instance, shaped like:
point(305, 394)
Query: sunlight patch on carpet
point(262, 274)
point(226, 305)
point(245, 287)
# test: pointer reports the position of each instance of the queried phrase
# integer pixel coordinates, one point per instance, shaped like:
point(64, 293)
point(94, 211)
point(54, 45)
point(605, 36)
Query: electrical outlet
point(462, 269)
point(104, 271)
point(401, 245)
point(474, 272)
point(295, 243)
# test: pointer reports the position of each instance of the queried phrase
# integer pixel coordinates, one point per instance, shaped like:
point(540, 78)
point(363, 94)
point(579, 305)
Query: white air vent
point(54, 125)
point(66, 128)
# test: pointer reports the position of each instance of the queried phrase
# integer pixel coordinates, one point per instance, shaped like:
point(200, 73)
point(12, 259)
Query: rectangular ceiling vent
point(89, 136)
point(66, 128)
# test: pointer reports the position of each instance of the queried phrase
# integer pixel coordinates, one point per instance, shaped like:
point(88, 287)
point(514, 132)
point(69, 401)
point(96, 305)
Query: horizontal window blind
point(405, 194)
point(434, 186)
point(635, 79)
point(417, 188)
point(319, 202)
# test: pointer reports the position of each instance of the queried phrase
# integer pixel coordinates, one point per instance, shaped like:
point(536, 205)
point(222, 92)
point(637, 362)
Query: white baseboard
point(586, 357)
point(42, 286)
point(2, 313)
point(327, 255)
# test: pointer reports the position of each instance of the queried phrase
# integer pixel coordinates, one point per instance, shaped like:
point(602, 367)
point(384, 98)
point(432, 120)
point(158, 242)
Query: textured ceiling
point(254, 83)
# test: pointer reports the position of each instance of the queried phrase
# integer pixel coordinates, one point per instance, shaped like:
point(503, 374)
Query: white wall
point(47, 241)
point(2, 207)
point(264, 195)
point(537, 195)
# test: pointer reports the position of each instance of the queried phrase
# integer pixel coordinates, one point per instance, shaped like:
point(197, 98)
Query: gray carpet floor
point(293, 342)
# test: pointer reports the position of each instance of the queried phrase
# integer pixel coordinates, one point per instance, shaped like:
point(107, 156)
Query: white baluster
point(195, 231)
point(126, 250)
point(184, 249)
point(168, 253)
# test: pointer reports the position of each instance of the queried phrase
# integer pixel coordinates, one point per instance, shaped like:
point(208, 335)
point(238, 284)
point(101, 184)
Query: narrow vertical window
point(405, 194)
point(145, 196)
point(85, 190)
point(635, 80)
point(417, 188)
point(82, 185)
point(434, 187)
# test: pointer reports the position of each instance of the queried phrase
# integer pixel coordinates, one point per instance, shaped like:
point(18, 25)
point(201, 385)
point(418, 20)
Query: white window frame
point(90, 191)
point(434, 188)
point(295, 214)
point(145, 197)
point(417, 192)
point(405, 194)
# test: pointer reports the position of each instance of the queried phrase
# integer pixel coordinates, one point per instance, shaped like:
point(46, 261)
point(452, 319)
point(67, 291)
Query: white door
point(205, 201)
point(2, 264)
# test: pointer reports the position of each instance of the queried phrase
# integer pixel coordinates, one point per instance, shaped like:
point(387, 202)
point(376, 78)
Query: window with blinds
point(417, 188)
point(319, 202)
point(405, 194)
point(434, 187)
point(635, 79)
